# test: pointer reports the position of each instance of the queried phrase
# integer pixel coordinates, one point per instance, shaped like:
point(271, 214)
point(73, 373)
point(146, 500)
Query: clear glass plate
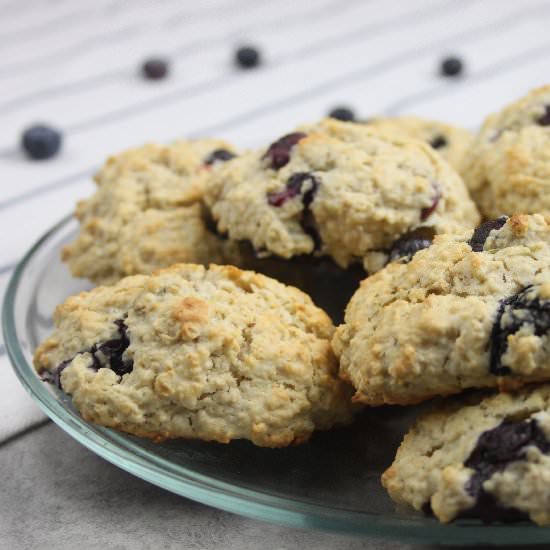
point(330, 483)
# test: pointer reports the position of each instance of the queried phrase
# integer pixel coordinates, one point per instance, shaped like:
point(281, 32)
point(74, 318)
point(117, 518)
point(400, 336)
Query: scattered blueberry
point(438, 142)
point(429, 210)
point(41, 142)
point(155, 69)
point(518, 310)
point(544, 120)
point(410, 243)
point(247, 57)
point(344, 114)
point(451, 66)
point(482, 232)
point(219, 155)
point(495, 449)
point(278, 153)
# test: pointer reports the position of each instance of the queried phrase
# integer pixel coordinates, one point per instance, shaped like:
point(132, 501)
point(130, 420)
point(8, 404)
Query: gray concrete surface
point(55, 494)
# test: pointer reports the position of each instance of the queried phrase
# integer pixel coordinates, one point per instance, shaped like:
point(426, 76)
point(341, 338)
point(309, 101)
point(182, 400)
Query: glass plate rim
point(183, 481)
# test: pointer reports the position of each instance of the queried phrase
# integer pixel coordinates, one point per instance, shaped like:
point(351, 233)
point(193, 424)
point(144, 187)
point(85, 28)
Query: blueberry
point(410, 243)
point(41, 142)
point(494, 451)
point(513, 313)
point(544, 120)
point(278, 153)
point(429, 210)
point(104, 355)
point(247, 57)
point(344, 114)
point(155, 69)
point(451, 66)
point(219, 155)
point(482, 232)
point(438, 142)
point(294, 187)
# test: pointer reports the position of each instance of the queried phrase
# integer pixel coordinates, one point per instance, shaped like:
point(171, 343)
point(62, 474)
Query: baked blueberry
point(482, 232)
point(278, 153)
point(524, 310)
point(41, 142)
point(438, 142)
point(429, 210)
point(544, 120)
point(219, 155)
point(410, 243)
point(155, 69)
point(247, 57)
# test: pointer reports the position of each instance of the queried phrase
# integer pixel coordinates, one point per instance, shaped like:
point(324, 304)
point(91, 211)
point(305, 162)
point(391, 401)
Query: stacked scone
point(177, 349)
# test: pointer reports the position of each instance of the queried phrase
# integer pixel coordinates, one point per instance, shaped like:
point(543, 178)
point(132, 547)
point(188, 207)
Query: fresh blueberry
point(513, 314)
point(438, 142)
point(482, 232)
point(219, 155)
point(278, 153)
point(345, 114)
point(451, 66)
point(155, 69)
point(544, 120)
point(247, 57)
point(41, 142)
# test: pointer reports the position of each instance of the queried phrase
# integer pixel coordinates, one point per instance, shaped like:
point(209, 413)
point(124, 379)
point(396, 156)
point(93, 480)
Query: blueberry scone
point(508, 167)
point(451, 142)
point(214, 354)
point(340, 192)
point(480, 457)
point(146, 212)
point(469, 311)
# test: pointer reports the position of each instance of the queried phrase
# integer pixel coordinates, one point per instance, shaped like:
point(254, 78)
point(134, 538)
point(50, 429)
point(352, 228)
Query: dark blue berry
point(219, 155)
point(482, 232)
point(494, 451)
point(518, 311)
point(438, 142)
point(104, 355)
point(41, 142)
point(247, 57)
point(410, 243)
point(278, 153)
point(451, 66)
point(544, 120)
point(294, 187)
point(344, 114)
point(155, 69)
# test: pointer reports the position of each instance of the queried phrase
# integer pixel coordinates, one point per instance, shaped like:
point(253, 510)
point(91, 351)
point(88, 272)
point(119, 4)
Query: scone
point(451, 142)
point(508, 167)
point(470, 311)
point(486, 458)
point(215, 354)
point(146, 212)
point(336, 191)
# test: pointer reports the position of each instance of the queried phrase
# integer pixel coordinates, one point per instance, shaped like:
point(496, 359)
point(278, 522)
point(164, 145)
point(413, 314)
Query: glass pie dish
point(331, 483)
